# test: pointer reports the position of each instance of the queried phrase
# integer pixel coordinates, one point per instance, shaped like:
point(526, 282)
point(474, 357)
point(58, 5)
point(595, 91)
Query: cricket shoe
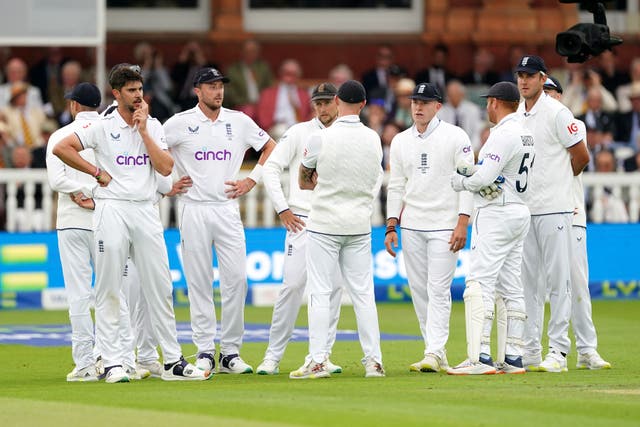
point(83, 375)
point(233, 364)
point(115, 374)
point(531, 363)
point(310, 371)
point(511, 366)
point(154, 367)
point(184, 371)
point(333, 369)
point(592, 360)
point(431, 363)
point(99, 367)
point(137, 373)
point(268, 367)
point(472, 368)
point(554, 362)
point(206, 362)
point(372, 368)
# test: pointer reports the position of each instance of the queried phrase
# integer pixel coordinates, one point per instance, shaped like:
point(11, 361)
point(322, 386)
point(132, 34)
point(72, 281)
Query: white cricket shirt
point(67, 180)
point(509, 152)
point(288, 154)
point(121, 152)
point(211, 152)
point(554, 131)
point(348, 159)
point(580, 214)
point(419, 191)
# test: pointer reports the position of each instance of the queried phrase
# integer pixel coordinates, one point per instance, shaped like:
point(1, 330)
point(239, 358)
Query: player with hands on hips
point(434, 228)
point(208, 143)
point(498, 231)
point(293, 212)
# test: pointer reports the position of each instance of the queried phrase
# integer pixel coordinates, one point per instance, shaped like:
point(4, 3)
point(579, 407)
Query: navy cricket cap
point(86, 94)
point(426, 92)
point(208, 75)
point(553, 84)
point(352, 92)
point(505, 91)
point(324, 91)
point(531, 64)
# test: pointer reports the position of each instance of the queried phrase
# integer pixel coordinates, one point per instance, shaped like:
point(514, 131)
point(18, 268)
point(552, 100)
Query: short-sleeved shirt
point(554, 131)
point(211, 152)
point(120, 151)
point(580, 214)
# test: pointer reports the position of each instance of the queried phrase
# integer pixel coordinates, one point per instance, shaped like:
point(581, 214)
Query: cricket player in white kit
point(343, 165)
point(208, 143)
point(560, 154)
point(432, 216)
point(129, 148)
point(499, 227)
point(581, 318)
point(293, 212)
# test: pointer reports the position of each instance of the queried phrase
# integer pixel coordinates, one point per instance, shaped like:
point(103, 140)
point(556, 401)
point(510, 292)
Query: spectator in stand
point(5, 149)
point(402, 111)
point(375, 116)
point(21, 158)
point(610, 207)
point(611, 77)
point(70, 76)
point(575, 96)
point(16, 72)
point(190, 60)
point(340, 74)
point(482, 72)
point(247, 78)
point(157, 82)
point(378, 77)
point(632, 164)
point(461, 112)
point(623, 91)
point(25, 123)
point(437, 73)
point(595, 118)
point(515, 53)
point(46, 73)
point(628, 124)
point(285, 103)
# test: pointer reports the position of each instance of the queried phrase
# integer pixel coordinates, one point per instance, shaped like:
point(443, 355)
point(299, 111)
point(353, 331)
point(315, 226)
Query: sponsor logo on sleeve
point(573, 128)
point(466, 149)
point(492, 156)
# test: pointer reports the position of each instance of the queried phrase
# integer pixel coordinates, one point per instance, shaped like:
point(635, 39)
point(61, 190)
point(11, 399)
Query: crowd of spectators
point(606, 96)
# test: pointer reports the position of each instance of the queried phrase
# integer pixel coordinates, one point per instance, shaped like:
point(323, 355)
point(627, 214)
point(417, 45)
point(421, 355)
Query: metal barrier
point(256, 208)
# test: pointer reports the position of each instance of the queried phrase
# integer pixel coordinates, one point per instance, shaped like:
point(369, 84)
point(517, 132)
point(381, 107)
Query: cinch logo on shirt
point(205, 154)
point(127, 160)
point(492, 156)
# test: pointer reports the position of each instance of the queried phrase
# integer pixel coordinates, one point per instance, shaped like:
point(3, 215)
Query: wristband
point(256, 173)
point(390, 229)
point(97, 174)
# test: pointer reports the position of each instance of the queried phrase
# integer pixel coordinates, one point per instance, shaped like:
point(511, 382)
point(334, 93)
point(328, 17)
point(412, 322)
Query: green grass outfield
point(33, 390)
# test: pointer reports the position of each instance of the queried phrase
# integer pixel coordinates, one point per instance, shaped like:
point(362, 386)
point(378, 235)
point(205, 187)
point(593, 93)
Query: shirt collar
point(120, 120)
point(222, 115)
point(505, 119)
point(433, 124)
point(351, 118)
point(87, 115)
point(542, 99)
point(318, 123)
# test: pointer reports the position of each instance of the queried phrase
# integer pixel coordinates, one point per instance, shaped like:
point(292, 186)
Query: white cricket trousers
point(123, 228)
point(546, 264)
point(76, 257)
point(497, 240)
point(352, 255)
point(430, 268)
point(203, 225)
point(581, 318)
point(287, 305)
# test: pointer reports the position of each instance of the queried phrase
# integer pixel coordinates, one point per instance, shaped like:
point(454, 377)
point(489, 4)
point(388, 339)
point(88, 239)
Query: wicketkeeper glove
point(493, 190)
point(466, 169)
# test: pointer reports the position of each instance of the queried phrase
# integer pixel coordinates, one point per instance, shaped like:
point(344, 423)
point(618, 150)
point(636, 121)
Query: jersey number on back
point(523, 172)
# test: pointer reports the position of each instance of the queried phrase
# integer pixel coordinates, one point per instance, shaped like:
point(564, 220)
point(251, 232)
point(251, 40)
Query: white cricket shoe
point(268, 367)
point(115, 374)
point(531, 363)
point(154, 367)
point(310, 371)
point(554, 362)
point(471, 368)
point(83, 375)
point(332, 368)
point(184, 371)
point(100, 367)
point(510, 366)
point(137, 373)
point(206, 362)
point(372, 368)
point(233, 364)
point(592, 360)
point(431, 363)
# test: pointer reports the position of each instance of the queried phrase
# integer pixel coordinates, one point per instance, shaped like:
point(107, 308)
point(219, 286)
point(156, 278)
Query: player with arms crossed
point(208, 143)
point(343, 165)
point(293, 212)
point(560, 154)
point(129, 148)
point(434, 217)
point(499, 228)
